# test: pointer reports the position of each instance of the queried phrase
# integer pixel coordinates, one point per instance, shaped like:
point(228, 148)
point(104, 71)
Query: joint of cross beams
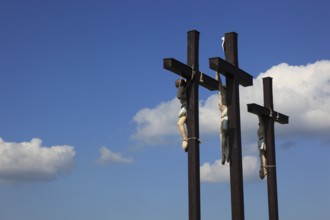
point(267, 112)
point(187, 72)
point(230, 70)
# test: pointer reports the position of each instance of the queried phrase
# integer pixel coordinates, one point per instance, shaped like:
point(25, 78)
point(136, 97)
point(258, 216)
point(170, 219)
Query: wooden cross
point(234, 78)
point(191, 72)
point(270, 116)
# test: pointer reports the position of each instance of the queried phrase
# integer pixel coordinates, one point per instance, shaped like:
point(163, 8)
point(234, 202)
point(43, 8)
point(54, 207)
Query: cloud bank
point(31, 162)
point(107, 156)
point(301, 92)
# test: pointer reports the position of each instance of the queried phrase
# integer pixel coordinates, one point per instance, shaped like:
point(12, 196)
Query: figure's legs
point(183, 132)
point(227, 146)
point(263, 164)
point(223, 146)
point(224, 140)
point(262, 145)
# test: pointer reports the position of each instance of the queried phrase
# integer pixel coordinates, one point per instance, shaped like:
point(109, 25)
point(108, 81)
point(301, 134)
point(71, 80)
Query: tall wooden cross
point(269, 116)
point(191, 72)
point(234, 78)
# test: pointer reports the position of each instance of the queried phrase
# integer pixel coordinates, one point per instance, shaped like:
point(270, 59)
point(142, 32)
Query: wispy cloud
point(216, 172)
point(31, 162)
point(107, 156)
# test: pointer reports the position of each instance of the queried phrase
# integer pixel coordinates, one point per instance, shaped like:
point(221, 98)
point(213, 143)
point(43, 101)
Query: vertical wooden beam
point(236, 173)
point(193, 129)
point(270, 151)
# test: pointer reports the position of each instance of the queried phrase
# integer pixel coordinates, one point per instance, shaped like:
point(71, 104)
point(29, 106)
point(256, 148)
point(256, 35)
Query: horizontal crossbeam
point(228, 69)
point(263, 111)
point(186, 71)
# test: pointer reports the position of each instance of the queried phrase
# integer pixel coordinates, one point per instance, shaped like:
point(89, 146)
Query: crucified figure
point(182, 96)
point(224, 120)
point(262, 148)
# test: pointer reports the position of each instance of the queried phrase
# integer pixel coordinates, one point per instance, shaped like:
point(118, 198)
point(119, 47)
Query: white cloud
point(153, 124)
point(216, 172)
point(107, 156)
point(30, 161)
point(301, 92)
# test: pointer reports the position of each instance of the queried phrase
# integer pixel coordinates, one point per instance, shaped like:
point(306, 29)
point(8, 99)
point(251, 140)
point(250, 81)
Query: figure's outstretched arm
point(218, 78)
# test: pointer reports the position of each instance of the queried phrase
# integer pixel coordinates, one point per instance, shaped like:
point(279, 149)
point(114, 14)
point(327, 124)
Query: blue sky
point(88, 114)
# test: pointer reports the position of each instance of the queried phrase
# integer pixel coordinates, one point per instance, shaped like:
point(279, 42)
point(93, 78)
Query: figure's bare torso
point(223, 103)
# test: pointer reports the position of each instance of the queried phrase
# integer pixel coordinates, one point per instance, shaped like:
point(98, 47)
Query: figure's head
point(180, 82)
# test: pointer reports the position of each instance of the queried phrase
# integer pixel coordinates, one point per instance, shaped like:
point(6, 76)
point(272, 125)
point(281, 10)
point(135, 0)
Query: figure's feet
point(185, 145)
point(262, 172)
point(223, 161)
